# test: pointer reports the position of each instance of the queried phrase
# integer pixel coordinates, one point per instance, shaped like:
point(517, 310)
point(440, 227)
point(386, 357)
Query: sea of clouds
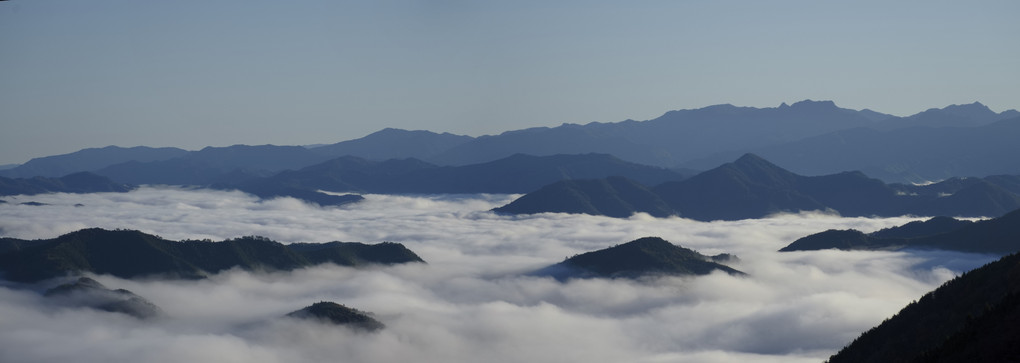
point(472, 302)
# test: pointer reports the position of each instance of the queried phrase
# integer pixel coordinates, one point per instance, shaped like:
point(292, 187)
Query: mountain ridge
point(998, 236)
point(131, 254)
point(752, 187)
point(913, 147)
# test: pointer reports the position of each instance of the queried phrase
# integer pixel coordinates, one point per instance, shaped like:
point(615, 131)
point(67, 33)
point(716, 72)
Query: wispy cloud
point(470, 302)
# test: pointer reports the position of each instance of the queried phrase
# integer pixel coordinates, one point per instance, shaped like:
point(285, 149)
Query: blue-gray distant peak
point(816, 105)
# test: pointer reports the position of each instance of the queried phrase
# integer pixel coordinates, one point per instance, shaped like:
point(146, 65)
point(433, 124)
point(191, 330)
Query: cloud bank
point(470, 303)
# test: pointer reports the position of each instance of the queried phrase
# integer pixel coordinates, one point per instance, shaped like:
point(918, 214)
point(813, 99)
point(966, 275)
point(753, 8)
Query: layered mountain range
point(752, 187)
point(809, 137)
point(80, 182)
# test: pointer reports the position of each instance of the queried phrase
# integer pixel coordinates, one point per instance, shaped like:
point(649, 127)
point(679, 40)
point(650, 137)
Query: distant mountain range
point(393, 143)
point(752, 187)
point(129, 254)
point(647, 256)
point(80, 182)
point(912, 154)
point(972, 318)
point(997, 236)
point(810, 137)
point(514, 174)
point(89, 160)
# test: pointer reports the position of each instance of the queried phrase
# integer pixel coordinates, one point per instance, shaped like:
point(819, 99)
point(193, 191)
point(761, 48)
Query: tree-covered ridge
point(129, 253)
point(641, 257)
point(998, 236)
point(333, 313)
point(972, 318)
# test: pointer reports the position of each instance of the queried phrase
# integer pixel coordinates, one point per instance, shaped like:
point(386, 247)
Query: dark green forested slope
point(972, 318)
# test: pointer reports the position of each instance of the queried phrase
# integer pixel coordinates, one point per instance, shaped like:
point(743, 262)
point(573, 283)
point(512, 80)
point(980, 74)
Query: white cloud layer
point(470, 303)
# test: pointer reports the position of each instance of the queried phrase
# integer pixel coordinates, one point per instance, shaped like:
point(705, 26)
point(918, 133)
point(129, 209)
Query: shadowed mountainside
point(514, 174)
point(614, 197)
point(997, 236)
point(752, 187)
point(972, 318)
point(82, 182)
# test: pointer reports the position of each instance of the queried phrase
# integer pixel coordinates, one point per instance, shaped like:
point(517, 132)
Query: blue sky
point(76, 74)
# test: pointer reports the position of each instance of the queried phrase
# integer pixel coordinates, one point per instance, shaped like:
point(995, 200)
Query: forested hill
point(637, 258)
point(129, 253)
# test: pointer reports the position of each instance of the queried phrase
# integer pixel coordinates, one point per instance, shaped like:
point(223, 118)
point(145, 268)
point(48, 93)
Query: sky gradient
point(189, 74)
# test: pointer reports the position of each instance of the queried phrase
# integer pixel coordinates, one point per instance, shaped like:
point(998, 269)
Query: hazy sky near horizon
point(189, 74)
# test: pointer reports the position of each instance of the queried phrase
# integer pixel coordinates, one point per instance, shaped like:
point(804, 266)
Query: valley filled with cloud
point(473, 300)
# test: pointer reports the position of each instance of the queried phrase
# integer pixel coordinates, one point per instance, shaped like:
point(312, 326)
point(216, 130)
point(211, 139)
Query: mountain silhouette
point(90, 159)
point(80, 182)
point(514, 174)
point(996, 236)
point(641, 257)
point(749, 187)
point(615, 197)
point(393, 143)
point(917, 153)
point(752, 187)
point(129, 254)
point(214, 164)
point(670, 139)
